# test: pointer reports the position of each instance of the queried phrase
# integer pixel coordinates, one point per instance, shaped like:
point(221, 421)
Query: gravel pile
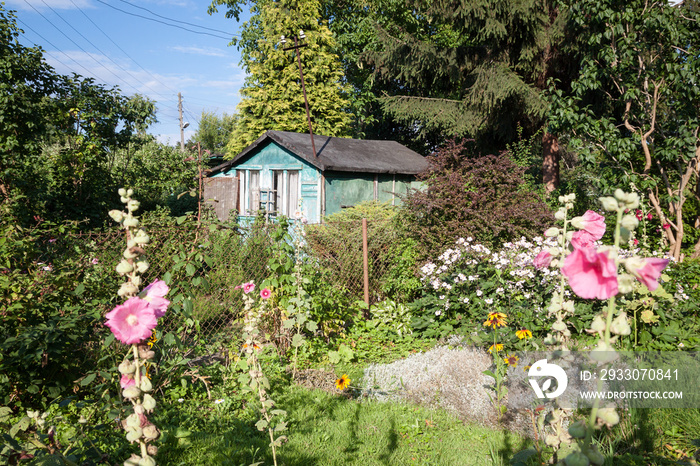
point(450, 377)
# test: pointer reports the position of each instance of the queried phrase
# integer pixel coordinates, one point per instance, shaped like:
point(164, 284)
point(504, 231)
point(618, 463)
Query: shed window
point(285, 186)
point(253, 190)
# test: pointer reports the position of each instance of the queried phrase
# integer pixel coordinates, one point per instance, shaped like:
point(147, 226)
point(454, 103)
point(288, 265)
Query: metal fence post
point(365, 265)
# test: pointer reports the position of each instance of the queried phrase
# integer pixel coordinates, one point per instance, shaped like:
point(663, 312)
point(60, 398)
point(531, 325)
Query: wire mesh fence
point(210, 261)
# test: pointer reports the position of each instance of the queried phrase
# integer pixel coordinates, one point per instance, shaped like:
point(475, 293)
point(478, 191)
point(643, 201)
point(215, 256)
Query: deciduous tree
point(633, 111)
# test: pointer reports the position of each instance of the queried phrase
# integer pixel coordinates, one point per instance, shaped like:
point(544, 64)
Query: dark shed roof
point(340, 154)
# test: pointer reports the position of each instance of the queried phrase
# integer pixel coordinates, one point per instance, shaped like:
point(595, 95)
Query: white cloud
point(206, 51)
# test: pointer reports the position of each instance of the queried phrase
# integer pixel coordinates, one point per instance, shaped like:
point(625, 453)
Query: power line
point(101, 52)
point(77, 45)
point(52, 45)
point(163, 22)
point(177, 20)
point(122, 50)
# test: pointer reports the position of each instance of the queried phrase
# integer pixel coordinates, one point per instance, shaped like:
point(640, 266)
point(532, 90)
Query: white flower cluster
point(456, 269)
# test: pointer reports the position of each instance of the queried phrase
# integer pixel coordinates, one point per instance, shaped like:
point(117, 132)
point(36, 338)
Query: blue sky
point(114, 42)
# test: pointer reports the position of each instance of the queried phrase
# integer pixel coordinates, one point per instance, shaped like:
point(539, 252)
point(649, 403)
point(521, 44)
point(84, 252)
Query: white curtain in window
point(254, 191)
point(292, 192)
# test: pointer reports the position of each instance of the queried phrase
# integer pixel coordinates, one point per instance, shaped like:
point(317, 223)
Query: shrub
point(336, 246)
point(485, 197)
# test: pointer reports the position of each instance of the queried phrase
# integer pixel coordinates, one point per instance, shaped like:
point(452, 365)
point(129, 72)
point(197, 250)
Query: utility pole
point(182, 125)
point(296, 48)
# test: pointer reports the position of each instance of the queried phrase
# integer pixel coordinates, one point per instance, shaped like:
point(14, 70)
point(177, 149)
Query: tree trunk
point(550, 162)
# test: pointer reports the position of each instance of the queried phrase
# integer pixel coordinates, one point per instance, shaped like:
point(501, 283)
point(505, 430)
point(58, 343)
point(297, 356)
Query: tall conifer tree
point(272, 97)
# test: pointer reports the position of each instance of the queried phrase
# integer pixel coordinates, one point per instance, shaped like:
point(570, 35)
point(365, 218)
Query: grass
point(328, 429)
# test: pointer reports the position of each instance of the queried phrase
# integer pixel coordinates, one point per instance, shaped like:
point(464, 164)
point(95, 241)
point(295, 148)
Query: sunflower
point(498, 347)
point(523, 333)
point(511, 360)
point(343, 382)
point(496, 319)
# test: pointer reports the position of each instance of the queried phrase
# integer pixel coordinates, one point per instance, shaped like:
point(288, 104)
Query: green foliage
point(26, 81)
point(632, 111)
point(271, 96)
point(467, 69)
point(336, 245)
point(158, 174)
point(482, 197)
point(396, 316)
point(213, 132)
point(53, 297)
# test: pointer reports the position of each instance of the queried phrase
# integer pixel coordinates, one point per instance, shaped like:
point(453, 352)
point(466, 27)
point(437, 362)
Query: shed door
point(222, 193)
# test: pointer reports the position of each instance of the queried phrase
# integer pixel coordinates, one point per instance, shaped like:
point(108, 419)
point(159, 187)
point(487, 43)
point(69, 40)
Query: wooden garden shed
point(278, 173)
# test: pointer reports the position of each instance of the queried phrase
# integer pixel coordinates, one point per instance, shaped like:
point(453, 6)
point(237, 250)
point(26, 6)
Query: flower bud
point(150, 432)
point(124, 267)
point(131, 392)
point(139, 409)
point(632, 201)
point(133, 460)
point(133, 421)
point(561, 199)
point(147, 461)
point(131, 222)
point(598, 324)
point(146, 385)
point(568, 306)
point(620, 326)
point(129, 253)
point(149, 403)
point(559, 326)
point(117, 215)
point(133, 435)
point(152, 450)
point(124, 199)
point(133, 205)
point(122, 192)
point(129, 192)
point(127, 289)
point(625, 283)
point(629, 222)
point(142, 266)
point(595, 456)
point(604, 352)
point(136, 281)
point(141, 237)
point(577, 429)
point(620, 195)
point(577, 459)
point(127, 367)
point(560, 214)
point(609, 203)
point(551, 232)
point(608, 416)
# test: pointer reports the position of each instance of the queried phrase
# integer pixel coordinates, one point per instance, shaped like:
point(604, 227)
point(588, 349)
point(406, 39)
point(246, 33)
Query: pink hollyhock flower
point(591, 274)
point(647, 271)
point(592, 222)
point(666, 226)
point(133, 321)
point(154, 295)
point(638, 214)
point(127, 380)
point(248, 287)
point(543, 259)
point(265, 293)
point(582, 239)
point(95, 261)
point(649, 216)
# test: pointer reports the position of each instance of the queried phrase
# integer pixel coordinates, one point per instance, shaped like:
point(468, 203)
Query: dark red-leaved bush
point(484, 197)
